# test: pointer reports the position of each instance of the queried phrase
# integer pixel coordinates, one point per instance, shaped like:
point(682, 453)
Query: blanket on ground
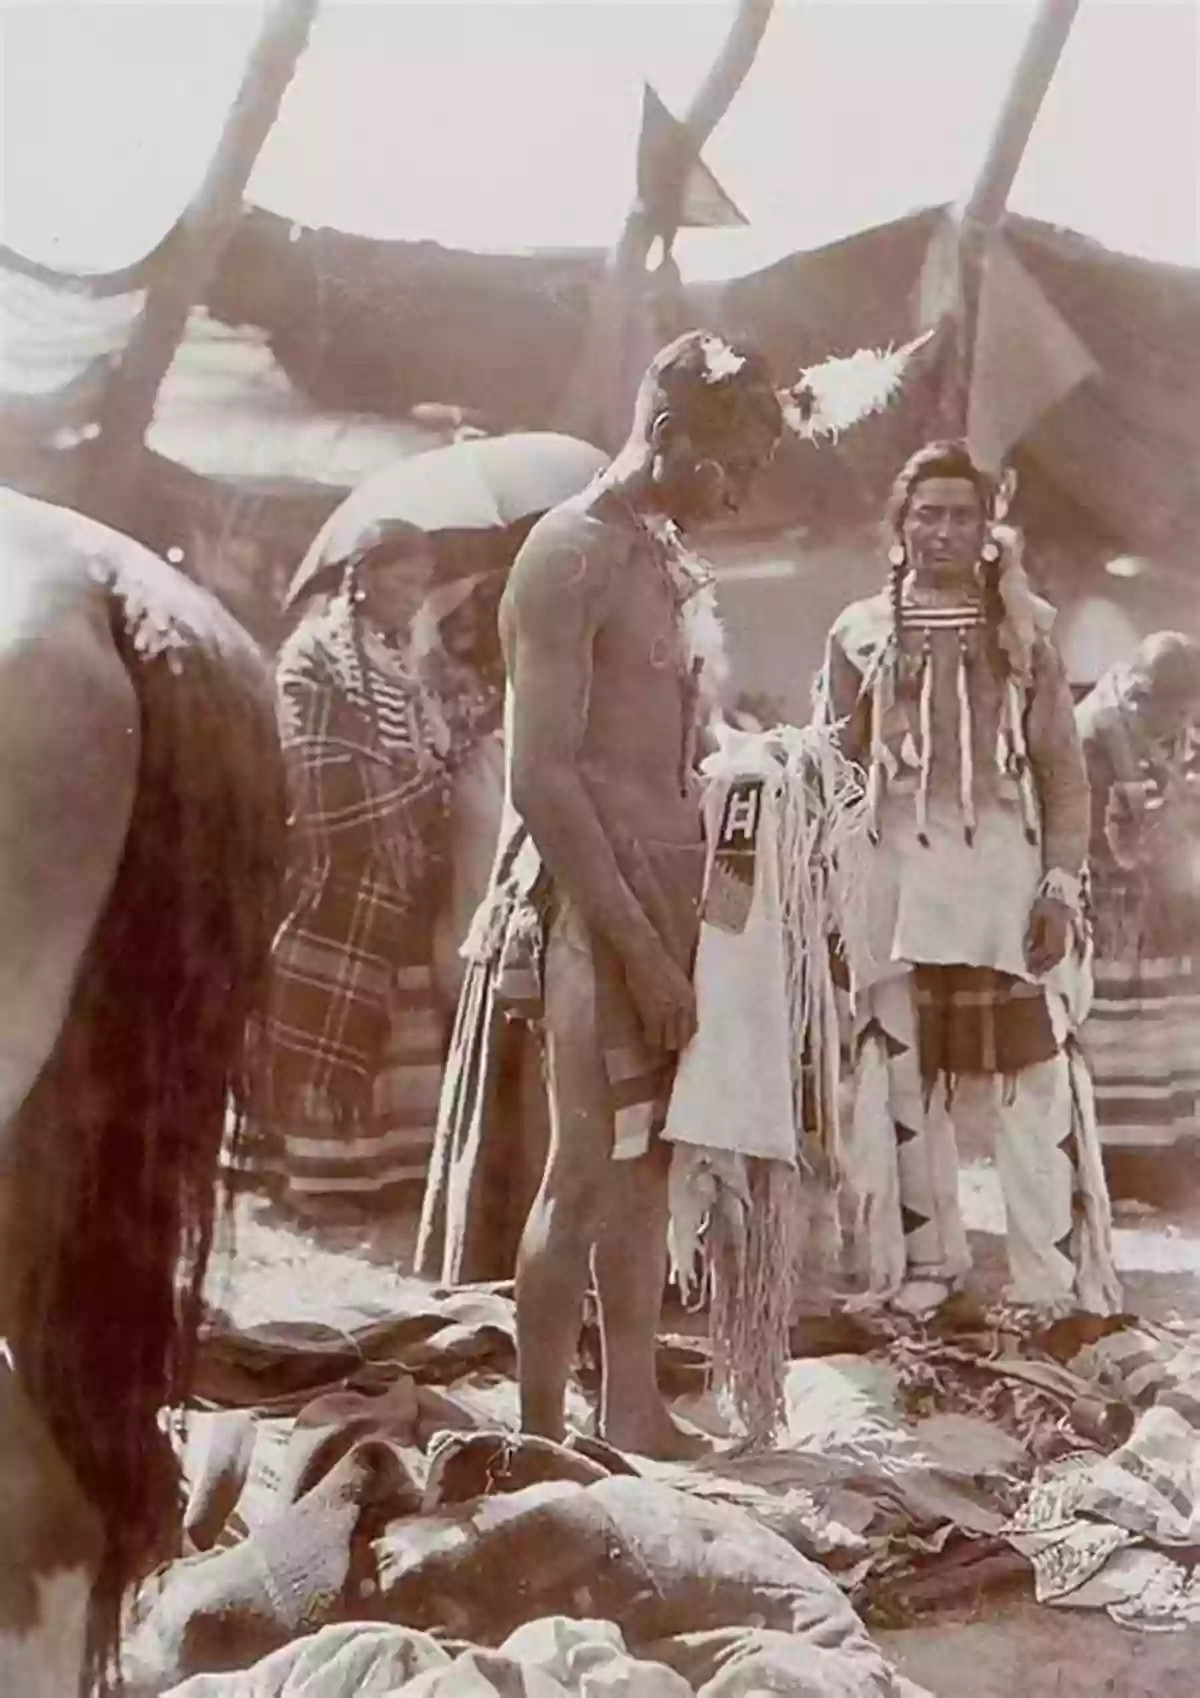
point(557, 1657)
point(657, 1563)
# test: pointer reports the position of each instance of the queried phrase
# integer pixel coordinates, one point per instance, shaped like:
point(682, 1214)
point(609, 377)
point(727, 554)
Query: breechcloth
point(1027, 1116)
point(974, 1020)
point(586, 995)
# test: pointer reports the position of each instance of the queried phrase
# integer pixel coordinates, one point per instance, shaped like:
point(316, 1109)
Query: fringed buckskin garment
point(1143, 1033)
point(754, 1111)
point(979, 801)
point(355, 1038)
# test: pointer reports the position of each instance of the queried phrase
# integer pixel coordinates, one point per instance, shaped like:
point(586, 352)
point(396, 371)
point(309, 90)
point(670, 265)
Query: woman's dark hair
point(944, 459)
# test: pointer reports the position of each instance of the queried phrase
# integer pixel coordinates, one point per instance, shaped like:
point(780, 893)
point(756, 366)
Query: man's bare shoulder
point(569, 559)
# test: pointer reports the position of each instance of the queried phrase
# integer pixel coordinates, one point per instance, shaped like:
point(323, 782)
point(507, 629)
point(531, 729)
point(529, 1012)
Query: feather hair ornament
point(720, 360)
point(829, 398)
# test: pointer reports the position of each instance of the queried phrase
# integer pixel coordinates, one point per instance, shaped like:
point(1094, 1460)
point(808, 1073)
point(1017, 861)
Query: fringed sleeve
point(1056, 756)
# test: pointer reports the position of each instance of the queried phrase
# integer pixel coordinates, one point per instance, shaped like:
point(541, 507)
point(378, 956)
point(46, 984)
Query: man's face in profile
point(709, 479)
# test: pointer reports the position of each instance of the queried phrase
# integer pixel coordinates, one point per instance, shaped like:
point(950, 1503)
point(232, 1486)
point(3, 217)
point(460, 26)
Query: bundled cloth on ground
point(1121, 1532)
point(556, 1657)
point(353, 1537)
point(754, 1109)
point(432, 1334)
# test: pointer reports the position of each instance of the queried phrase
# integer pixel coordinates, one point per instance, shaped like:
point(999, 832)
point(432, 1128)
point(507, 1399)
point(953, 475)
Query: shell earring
point(897, 555)
point(990, 552)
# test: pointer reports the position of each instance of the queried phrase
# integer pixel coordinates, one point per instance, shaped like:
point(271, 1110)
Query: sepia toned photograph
point(599, 848)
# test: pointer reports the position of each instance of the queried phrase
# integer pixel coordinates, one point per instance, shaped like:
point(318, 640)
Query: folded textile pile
point(879, 1498)
point(283, 1516)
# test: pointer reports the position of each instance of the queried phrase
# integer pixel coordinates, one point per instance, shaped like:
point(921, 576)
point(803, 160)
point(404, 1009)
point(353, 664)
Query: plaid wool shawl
point(369, 797)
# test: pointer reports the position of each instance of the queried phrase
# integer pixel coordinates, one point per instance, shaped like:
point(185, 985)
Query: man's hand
point(665, 1001)
point(1048, 935)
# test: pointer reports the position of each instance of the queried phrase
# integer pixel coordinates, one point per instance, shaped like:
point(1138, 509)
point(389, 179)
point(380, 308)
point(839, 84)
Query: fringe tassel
point(926, 725)
point(759, 1212)
point(755, 1250)
point(966, 742)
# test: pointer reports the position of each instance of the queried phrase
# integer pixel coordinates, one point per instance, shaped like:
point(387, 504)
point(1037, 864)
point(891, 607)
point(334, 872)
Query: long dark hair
point(945, 459)
point(117, 1146)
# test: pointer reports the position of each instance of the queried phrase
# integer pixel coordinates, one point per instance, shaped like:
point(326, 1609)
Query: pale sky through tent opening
point(507, 124)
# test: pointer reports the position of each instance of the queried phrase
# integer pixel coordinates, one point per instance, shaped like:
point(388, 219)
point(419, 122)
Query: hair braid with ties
point(897, 569)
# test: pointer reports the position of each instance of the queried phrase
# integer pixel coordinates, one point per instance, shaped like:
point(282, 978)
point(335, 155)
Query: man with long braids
point(967, 960)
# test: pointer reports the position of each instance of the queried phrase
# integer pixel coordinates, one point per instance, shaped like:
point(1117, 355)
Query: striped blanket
point(1143, 1042)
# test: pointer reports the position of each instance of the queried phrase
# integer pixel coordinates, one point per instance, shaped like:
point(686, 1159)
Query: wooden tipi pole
point(589, 406)
point(112, 467)
point(988, 201)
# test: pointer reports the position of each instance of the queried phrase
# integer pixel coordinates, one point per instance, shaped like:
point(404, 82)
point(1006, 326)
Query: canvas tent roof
point(855, 113)
point(327, 326)
point(229, 425)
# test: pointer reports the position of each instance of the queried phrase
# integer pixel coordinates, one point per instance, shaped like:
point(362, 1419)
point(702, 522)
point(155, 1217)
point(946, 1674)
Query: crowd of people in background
point(1011, 939)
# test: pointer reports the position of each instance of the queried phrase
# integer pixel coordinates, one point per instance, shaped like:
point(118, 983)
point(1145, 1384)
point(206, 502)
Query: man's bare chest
point(642, 638)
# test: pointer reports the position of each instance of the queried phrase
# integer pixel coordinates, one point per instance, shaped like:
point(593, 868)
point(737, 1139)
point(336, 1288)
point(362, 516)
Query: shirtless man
point(604, 694)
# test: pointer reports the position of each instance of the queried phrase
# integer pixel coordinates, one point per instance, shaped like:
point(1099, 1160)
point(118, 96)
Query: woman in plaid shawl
point(377, 715)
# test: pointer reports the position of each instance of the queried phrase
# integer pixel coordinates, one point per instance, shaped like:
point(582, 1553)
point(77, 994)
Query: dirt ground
point(1026, 1652)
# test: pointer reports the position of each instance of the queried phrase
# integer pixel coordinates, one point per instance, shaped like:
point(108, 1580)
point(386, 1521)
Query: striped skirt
point(322, 1165)
point(1143, 1041)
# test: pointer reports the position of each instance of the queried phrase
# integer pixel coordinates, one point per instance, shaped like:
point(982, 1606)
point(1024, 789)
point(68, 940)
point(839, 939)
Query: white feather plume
point(829, 398)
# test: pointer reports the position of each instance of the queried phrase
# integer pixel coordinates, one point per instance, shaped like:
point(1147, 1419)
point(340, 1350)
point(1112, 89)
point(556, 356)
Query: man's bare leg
point(586, 1199)
point(555, 1254)
point(631, 1275)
